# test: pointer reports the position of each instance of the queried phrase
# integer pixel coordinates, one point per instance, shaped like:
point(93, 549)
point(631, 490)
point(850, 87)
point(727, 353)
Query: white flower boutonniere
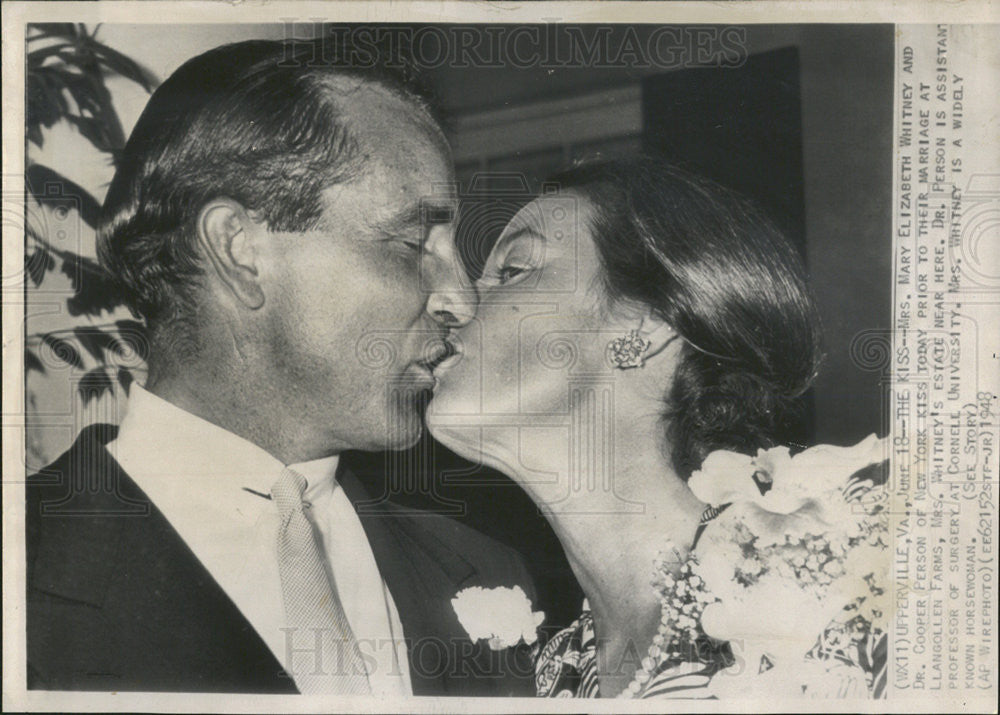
point(503, 616)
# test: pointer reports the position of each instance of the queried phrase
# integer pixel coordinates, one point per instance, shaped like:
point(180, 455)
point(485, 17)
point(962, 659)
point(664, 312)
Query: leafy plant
point(66, 71)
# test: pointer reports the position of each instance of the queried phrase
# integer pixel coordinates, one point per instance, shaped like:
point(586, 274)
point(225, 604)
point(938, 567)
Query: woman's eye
point(412, 244)
point(509, 273)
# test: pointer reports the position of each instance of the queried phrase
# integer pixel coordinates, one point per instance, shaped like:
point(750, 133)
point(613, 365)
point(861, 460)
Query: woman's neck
point(612, 536)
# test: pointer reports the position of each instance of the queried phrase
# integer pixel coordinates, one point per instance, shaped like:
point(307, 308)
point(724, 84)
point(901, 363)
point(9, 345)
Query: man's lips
point(441, 353)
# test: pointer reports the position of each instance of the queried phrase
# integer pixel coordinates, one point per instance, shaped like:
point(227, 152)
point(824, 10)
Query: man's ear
point(229, 236)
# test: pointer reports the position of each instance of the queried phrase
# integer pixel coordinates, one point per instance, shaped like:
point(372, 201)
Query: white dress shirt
point(198, 473)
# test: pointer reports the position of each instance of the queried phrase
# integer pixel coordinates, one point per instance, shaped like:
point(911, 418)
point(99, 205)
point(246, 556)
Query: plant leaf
point(31, 361)
point(79, 86)
point(52, 29)
point(37, 57)
point(31, 230)
point(94, 384)
point(95, 131)
point(85, 84)
point(125, 379)
point(63, 350)
point(37, 264)
point(34, 132)
point(94, 340)
point(74, 63)
point(125, 66)
point(94, 290)
point(50, 188)
point(45, 97)
point(46, 103)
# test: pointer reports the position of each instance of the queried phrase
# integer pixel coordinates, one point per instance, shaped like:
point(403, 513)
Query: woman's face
point(536, 354)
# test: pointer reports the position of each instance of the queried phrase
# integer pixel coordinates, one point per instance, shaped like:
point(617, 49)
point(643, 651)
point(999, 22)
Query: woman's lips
point(438, 357)
point(447, 362)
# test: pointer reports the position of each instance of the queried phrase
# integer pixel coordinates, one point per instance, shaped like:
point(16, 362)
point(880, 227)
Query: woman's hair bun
point(709, 263)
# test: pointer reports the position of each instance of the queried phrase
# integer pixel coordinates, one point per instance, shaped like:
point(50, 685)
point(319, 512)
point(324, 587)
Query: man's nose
point(453, 299)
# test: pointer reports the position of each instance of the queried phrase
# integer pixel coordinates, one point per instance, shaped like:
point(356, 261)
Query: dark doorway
point(741, 126)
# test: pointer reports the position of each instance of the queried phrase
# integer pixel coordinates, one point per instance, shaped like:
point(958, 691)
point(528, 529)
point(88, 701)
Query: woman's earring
point(629, 351)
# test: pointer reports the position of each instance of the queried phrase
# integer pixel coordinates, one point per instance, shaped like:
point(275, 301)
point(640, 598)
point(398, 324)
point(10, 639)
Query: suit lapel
point(113, 552)
point(423, 575)
point(418, 558)
point(111, 549)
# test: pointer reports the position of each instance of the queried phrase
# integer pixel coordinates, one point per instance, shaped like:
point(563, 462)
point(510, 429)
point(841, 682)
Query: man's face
point(362, 302)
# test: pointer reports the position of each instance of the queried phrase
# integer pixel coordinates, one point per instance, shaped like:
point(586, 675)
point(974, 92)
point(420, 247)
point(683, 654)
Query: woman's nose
point(451, 309)
point(453, 299)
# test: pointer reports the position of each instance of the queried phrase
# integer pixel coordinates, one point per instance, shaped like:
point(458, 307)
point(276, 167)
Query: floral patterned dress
point(567, 667)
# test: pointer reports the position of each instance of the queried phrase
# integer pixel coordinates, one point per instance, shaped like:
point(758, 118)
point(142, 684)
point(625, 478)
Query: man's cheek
point(382, 345)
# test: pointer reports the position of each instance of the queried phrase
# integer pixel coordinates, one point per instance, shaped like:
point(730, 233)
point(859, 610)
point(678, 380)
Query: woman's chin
point(449, 431)
point(463, 441)
point(466, 440)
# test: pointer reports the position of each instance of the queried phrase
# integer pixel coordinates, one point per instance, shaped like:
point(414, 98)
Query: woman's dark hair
point(253, 121)
point(711, 265)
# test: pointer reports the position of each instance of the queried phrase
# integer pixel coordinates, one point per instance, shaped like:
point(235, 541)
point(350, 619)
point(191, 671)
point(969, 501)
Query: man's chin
point(405, 424)
point(403, 441)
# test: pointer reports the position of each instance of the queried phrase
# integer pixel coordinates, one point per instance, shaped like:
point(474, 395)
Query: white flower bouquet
point(792, 572)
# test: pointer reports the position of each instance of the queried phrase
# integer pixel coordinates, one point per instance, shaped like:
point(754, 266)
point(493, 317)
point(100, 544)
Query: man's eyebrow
point(408, 217)
point(419, 214)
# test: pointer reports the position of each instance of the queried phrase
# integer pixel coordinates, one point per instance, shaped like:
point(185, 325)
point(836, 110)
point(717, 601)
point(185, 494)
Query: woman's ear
point(645, 336)
point(658, 333)
point(229, 237)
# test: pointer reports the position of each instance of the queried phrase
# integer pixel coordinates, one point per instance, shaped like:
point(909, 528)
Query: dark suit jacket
point(117, 601)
